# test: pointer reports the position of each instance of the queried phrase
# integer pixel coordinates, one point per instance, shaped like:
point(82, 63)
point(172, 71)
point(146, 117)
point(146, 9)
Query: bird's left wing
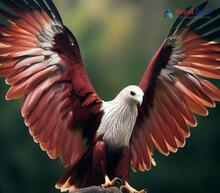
point(41, 61)
point(176, 87)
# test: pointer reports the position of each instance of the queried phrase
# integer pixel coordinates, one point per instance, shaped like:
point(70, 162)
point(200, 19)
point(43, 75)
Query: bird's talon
point(117, 182)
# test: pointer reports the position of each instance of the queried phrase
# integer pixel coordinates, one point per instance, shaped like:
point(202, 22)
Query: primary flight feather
point(41, 61)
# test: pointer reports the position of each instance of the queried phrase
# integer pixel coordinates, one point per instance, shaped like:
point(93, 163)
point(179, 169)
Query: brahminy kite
point(99, 140)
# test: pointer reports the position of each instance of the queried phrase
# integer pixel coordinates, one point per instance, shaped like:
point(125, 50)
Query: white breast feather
point(117, 123)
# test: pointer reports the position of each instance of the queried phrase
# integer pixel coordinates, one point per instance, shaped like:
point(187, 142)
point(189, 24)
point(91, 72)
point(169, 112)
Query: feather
point(54, 87)
point(175, 84)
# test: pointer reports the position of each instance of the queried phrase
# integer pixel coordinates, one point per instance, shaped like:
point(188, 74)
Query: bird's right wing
point(41, 61)
point(177, 86)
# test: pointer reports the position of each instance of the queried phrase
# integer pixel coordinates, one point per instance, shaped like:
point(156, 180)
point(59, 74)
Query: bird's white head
point(131, 94)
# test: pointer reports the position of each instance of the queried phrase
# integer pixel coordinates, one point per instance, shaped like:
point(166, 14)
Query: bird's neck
point(117, 123)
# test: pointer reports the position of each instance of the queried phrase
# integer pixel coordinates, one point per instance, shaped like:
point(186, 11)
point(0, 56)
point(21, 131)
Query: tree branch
point(98, 189)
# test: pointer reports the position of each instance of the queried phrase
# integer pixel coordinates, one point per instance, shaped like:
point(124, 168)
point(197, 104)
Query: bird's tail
point(87, 171)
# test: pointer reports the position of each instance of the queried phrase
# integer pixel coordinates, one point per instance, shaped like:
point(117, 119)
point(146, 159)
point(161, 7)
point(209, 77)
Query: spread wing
point(177, 85)
point(40, 59)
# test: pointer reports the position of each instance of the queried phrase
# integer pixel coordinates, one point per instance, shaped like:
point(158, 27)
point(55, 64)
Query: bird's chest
point(117, 124)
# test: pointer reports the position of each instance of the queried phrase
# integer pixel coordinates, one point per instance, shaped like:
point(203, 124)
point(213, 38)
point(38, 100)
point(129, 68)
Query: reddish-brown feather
point(20, 89)
point(123, 168)
point(39, 61)
point(34, 97)
point(34, 21)
point(195, 105)
point(167, 117)
point(8, 63)
point(158, 139)
point(146, 154)
point(139, 151)
point(28, 62)
point(33, 107)
point(174, 90)
point(204, 62)
point(27, 27)
point(177, 115)
point(149, 142)
point(9, 41)
point(76, 147)
point(194, 90)
point(178, 101)
point(53, 107)
point(134, 157)
point(27, 73)
point(211, 90)
point(15, 31)
point(169, 138)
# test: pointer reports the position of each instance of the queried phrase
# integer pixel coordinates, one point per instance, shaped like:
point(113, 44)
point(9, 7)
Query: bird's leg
point(126, 188)
point(110, 183)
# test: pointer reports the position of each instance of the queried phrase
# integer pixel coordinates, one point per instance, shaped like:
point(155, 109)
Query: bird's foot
point(116, 182)
point(126, 188)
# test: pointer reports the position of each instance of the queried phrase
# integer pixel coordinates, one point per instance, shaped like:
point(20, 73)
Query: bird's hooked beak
point(140, 99)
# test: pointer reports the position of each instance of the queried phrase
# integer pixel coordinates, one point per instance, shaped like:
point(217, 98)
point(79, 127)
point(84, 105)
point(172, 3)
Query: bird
point(99, 141)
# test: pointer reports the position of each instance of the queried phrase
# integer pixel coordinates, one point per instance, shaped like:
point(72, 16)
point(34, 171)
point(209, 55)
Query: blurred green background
point(117, 39)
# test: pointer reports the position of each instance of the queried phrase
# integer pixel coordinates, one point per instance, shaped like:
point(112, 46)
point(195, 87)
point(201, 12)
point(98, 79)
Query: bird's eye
point(132, 93)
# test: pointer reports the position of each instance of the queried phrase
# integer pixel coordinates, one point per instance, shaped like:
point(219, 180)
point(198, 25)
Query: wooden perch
point(98, 189)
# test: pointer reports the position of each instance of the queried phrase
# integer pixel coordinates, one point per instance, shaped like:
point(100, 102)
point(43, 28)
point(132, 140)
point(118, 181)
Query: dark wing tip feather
point(189, 17)
point(34, 5)
point(212, 35)
point(21, 4)
point(49, 7)
point(208, 27)
point(30, 5)
point(54, 10)
point(178, 21)
point(202, 5)
point(184, 19)
point(7, 10)
point(4, 22)
point(201, 21)
point(44, 7)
